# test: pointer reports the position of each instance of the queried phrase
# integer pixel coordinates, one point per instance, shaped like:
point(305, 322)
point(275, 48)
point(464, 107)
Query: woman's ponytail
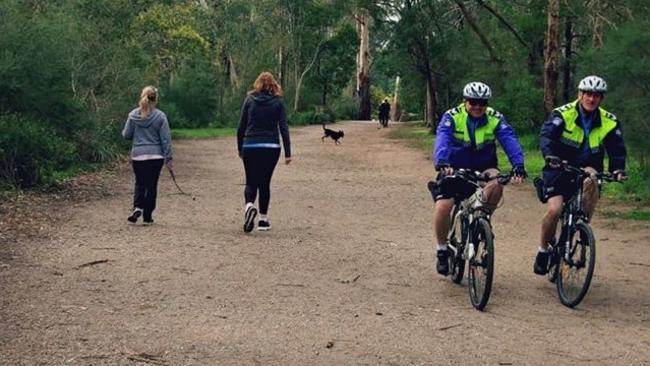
point(148, 99)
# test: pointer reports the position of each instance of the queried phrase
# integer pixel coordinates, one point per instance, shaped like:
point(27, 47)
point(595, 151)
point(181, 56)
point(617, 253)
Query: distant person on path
point(148, 130)
point(384, 112)
point(466, 139)
point(579, 133)
point(258, 143)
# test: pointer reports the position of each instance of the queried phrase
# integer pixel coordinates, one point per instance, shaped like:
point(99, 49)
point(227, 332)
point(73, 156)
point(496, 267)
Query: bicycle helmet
point(477, 90)
point(594, 84)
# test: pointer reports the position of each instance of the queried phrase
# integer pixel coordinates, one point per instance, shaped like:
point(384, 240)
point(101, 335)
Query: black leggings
point(259, 164)
point(147, 173)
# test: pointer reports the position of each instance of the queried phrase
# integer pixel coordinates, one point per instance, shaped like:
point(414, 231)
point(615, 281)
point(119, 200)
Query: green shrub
point(521, 103)
point(30, 151)
point(191, 97)
point(344, 107)
point(99, 142)
point(310, 118)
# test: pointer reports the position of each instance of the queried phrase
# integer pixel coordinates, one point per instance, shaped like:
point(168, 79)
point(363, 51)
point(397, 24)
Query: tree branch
point(304, 72)
point(504, 22)
point(477, 30)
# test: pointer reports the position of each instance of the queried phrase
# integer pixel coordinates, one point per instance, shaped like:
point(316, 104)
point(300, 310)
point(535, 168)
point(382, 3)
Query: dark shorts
point(559, 183)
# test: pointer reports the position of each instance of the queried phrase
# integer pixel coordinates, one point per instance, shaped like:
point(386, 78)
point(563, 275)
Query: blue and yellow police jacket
point(455, 146)
point(562, 135)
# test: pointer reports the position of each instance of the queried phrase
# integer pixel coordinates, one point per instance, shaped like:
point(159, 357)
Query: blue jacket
point(459, 154)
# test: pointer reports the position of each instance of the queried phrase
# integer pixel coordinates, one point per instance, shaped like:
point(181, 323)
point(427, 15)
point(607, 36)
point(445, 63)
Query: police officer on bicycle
point(577, 133)
point(465, 139)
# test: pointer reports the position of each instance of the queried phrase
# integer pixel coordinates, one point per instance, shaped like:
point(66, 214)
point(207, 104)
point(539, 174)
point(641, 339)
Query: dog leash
point(171, 172)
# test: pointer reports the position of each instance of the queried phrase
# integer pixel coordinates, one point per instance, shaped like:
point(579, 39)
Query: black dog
point(333, 134)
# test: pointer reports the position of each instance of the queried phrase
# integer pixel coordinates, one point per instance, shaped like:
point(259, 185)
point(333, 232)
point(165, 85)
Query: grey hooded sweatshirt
point(150, 136)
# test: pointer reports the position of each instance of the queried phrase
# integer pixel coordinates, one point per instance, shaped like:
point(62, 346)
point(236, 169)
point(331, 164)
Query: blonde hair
point(266, 82)
point(148, 99)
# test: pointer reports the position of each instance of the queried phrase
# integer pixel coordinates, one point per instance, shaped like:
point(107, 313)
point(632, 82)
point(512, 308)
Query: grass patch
point(638, 215)
point(203, 133)
point(635, 189)
point(634, 214)
point(415, 134)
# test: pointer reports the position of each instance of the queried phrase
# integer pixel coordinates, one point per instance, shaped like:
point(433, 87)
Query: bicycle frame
point(572, 213)
point(468, 211)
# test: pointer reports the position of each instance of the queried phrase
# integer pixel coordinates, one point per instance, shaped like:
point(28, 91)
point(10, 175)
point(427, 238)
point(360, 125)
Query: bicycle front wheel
point(481, 265)
point(576, 270)
point(456, 260)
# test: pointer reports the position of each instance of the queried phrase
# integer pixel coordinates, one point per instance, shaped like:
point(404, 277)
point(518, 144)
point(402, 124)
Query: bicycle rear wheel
point(575, 273)
point(481, 265)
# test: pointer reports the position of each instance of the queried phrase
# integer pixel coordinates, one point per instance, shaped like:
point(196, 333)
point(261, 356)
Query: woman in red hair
point(258, 142)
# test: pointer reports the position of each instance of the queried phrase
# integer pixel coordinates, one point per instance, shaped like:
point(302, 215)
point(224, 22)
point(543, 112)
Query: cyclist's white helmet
point(594, 84)
point(477, 90)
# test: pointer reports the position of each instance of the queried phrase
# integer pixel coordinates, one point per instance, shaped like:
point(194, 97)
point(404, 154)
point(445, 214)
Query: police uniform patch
point(495, 113)
point(557, 121)
point(619, 132)
point(610, 116)
point(447, 123)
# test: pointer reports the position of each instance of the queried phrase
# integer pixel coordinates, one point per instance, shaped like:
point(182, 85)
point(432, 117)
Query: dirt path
point(345, 277)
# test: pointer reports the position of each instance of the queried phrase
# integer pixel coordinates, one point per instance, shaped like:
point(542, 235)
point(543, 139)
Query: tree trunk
point(431, 101)
point(568, 42)
point(550, 60)
point(597, 35)
point(363, 67)
point(395, 113)
point(282, 65)
point(428, 121)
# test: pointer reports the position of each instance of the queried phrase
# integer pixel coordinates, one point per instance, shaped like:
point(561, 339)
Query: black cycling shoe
point(541, 263)
point(443, 262)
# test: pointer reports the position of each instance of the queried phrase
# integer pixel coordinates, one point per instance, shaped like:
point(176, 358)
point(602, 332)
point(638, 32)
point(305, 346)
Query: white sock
point(442, 247)
point(542, 250)
point(264, 217)
point(248, 204)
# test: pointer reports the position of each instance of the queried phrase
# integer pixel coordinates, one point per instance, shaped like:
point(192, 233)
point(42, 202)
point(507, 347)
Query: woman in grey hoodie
point(148, 129)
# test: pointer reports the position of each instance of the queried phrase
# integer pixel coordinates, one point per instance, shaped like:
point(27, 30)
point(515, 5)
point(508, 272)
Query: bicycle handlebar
point(475, 177)
point(556, 163)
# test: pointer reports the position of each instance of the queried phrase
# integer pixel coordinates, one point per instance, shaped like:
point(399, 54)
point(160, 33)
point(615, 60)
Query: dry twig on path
point(93, 263)
point(450, 326)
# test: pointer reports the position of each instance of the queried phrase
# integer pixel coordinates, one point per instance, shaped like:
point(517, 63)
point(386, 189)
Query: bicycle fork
point(457, 244)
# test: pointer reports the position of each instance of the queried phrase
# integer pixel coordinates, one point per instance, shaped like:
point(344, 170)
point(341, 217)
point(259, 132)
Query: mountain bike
point(470, 238)
point(573, 254)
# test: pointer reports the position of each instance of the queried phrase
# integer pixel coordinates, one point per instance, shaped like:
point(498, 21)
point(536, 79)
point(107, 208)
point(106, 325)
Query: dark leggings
point(259, 164)
point(147, 173)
